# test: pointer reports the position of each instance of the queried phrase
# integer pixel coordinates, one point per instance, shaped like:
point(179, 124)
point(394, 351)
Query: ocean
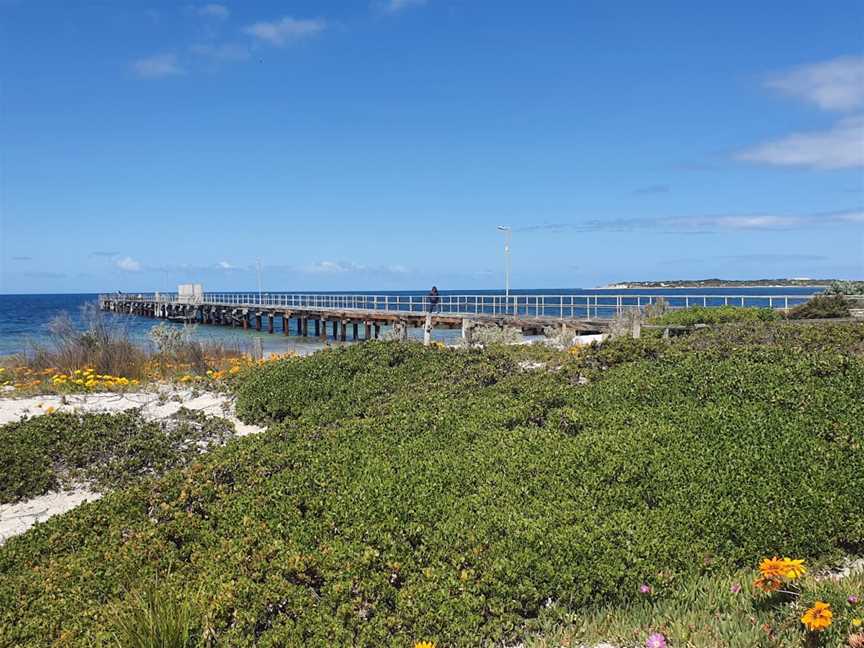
point(25, 319)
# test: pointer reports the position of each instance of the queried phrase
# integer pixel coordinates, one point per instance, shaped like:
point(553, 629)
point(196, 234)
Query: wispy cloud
point(840, 147)
point(225, 265)
point(836, 84)
point(22, 258)
point(395, 6)
point(285, 30)
point(706, 223)
point(213, 10)
point(157, 67)
point(225, 53)
point(102, 253)
point(128, 264)
point(342, 267)
point(652, 189)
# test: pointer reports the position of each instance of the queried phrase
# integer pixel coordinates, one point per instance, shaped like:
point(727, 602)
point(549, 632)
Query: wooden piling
point(354, 330)
point(368, 331)
point(270, 319)
point(343, 327)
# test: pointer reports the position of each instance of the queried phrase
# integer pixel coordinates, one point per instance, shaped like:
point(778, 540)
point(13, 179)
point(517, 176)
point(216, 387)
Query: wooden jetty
point(353, 317)
point(363, 316)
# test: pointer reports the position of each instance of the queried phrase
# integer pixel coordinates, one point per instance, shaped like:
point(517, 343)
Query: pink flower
point(736, 587)
point(656, 640)
point(853, 600)
point(645, 589)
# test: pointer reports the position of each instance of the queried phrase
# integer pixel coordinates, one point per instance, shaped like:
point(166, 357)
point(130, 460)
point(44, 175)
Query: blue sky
point(364, 145)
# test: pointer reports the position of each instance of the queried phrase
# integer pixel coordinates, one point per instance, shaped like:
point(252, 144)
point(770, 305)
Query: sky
point(378, 144)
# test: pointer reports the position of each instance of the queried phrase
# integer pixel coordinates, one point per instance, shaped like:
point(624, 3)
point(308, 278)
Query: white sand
point(155, 404)
point(15, 519)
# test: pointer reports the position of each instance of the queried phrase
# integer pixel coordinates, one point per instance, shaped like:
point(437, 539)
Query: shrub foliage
point(56, 450)
point(821, 307)
point(716, 315)
point(404, 493)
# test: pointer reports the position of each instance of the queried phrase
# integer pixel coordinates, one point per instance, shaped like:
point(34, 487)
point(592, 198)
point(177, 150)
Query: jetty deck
point(334, 315)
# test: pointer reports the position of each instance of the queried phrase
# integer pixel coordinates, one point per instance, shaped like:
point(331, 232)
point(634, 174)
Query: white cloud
point(707, 223)
point(342, 267)
point(394, 6)
point(227, 52)
point(213, 10)
point(840, 147)
point(128, 264)
point(334, 267)
point(225, 265)
point(285, 30)
point(837, 84)
point(157, 67)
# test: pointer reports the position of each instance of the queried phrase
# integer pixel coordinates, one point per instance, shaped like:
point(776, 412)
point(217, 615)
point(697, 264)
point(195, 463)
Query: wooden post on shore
point(427, 330)
point(368, 331)
point(342, 330)
point(467, 330)
point(317, 327)
point(377, 330)
point(270, 318)
point(286, 323)
point(257, 321)
point(304, 324)
point(636, 328)
point(354, 330)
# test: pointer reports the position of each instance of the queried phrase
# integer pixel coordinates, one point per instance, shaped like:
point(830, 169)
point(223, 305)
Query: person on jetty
point(433, 299)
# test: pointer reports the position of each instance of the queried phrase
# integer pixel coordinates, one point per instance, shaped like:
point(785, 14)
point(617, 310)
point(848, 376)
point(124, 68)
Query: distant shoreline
point(720, 283)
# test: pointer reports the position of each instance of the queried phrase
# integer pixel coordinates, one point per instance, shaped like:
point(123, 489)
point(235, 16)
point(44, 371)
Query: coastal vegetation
point(404, 494)
point(821, 307)
point(103, 451)
point(715, 315)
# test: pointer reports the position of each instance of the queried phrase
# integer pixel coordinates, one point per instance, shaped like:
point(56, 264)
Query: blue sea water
point(24, 319)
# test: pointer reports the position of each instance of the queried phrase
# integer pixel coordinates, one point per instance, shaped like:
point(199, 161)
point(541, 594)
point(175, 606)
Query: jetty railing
point(599, 306)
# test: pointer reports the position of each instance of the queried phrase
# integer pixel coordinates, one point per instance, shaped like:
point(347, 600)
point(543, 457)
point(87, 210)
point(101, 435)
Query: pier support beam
point(257, 321)
point(342, 329)
point(368, 332)
point(377, 330)
point(304, 326)
point(270, 323)
point(317, 327)
point(286, 323)
point(354, 330)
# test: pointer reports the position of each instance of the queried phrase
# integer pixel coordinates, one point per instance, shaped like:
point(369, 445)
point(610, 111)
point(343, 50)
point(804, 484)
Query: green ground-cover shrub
point(56, 450)
point(715, 315)
point(452, 496)
point(821, 307)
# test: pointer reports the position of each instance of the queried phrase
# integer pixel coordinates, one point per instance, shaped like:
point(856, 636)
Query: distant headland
point(806, 282)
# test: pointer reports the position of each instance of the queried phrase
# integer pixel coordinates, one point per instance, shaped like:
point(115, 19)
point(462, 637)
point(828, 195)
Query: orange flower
point(773, 568)
point(767, 584)
point(818, 617)
point(780, 568)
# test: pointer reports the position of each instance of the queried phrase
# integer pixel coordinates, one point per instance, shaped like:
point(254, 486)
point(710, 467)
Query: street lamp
point(508, 232)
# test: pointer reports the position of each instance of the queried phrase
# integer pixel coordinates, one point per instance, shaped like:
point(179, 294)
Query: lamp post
point(508, 232)
point(258, 268)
